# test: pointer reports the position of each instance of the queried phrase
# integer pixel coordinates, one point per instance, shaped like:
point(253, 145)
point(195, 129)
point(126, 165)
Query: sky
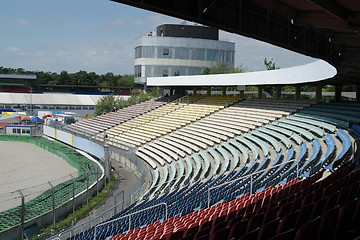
point(99, 36)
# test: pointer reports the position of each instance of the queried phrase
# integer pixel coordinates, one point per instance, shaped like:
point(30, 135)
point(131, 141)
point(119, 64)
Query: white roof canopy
point(312, 72)
point(50, 99)
point(18, 76)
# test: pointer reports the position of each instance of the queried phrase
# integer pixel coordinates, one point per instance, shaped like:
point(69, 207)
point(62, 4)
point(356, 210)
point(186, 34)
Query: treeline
point(82, 78)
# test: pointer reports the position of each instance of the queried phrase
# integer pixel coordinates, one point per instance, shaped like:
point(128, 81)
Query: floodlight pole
point(22, 214)
point(30, 101)
point(53, 201)
point(87, 186)
point(115, 201)
point(107, 162)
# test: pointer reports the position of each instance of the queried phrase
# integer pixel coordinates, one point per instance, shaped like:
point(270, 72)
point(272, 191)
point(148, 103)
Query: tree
point(270, 65)
point(64, 78)
point(79, 78)
point(108, 79)
point(240, 69)
point(224, 68)
point(156, 92)
point(126, 81)
point(105, 104)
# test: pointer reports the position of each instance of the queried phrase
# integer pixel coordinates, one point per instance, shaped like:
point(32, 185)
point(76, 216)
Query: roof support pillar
point(278, 92)
point(318, 93)
point(224, 91)
point(357, 93)
point(338, 93)
point(241, 94)
point(194, 91)
point(297, 92)
point(208, 91)
point(260, 92)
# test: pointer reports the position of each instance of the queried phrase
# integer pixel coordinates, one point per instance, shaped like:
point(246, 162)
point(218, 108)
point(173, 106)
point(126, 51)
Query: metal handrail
point(129, 215)
point(251, 176)
point(101, 215)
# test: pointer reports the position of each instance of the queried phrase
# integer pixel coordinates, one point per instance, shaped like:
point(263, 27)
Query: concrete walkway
point(124, 178)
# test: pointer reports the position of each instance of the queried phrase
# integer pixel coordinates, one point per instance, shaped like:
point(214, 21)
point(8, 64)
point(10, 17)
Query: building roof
point(325, 29)
point(49, 99)
point(312, 72)
point(17, 76)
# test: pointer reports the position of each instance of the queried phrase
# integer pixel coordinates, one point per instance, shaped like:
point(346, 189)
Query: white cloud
point(138, 22)
point(13, 49)
point(17, 51)
point(39, 54)
point(156, 20)
point(21, 21)
point(117, 22)
point(61, 54)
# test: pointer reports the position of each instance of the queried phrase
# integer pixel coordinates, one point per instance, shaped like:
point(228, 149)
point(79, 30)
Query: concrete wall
point(75, 141)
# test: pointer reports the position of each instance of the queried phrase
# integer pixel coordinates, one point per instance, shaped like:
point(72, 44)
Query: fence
point(91, 222)
point(129, 216)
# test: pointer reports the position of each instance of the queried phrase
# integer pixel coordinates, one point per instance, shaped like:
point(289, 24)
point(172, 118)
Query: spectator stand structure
point(191, 151)
point(189, 170)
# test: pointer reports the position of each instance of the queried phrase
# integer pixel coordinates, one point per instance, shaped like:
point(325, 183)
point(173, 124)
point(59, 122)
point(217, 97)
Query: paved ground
point(28, 167)
point(124, 179)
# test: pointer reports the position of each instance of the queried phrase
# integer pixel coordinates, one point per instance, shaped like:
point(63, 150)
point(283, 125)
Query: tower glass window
point(167, 54)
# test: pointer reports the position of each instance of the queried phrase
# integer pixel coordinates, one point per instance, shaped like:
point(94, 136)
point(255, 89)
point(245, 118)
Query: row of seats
point(215, 129)
point(106, 121)
point(164, 120)
point(341, 114)
point(244, 151)
point(265, 138)
point(307, 209)
point(198, 195)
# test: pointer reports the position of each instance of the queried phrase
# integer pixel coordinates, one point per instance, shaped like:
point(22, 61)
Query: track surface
point(28, 167)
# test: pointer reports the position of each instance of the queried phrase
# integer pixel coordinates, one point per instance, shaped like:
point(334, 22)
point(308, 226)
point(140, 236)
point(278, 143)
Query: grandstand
point(231, 154)
point(234, 168)
point(225, 154)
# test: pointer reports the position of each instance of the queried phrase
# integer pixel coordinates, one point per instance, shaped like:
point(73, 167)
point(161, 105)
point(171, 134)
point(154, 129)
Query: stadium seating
point(288, 210)
point(252, 142)
point(103, 122)
point(237, 166)
point(166, 119)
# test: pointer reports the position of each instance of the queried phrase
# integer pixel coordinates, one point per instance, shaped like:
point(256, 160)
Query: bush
point(107, 103)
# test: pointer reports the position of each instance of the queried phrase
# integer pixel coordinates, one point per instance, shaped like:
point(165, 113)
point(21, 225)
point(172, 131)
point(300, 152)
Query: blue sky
point(98, 36)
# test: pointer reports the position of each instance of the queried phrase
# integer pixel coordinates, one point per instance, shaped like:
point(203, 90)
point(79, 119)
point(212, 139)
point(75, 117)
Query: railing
point(139, 192)
point(251, 178)
point(129, 216)
point(90, 221)
point(102, 216)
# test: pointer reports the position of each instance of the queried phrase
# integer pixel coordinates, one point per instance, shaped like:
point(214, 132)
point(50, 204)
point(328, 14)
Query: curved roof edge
point(312, 72)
